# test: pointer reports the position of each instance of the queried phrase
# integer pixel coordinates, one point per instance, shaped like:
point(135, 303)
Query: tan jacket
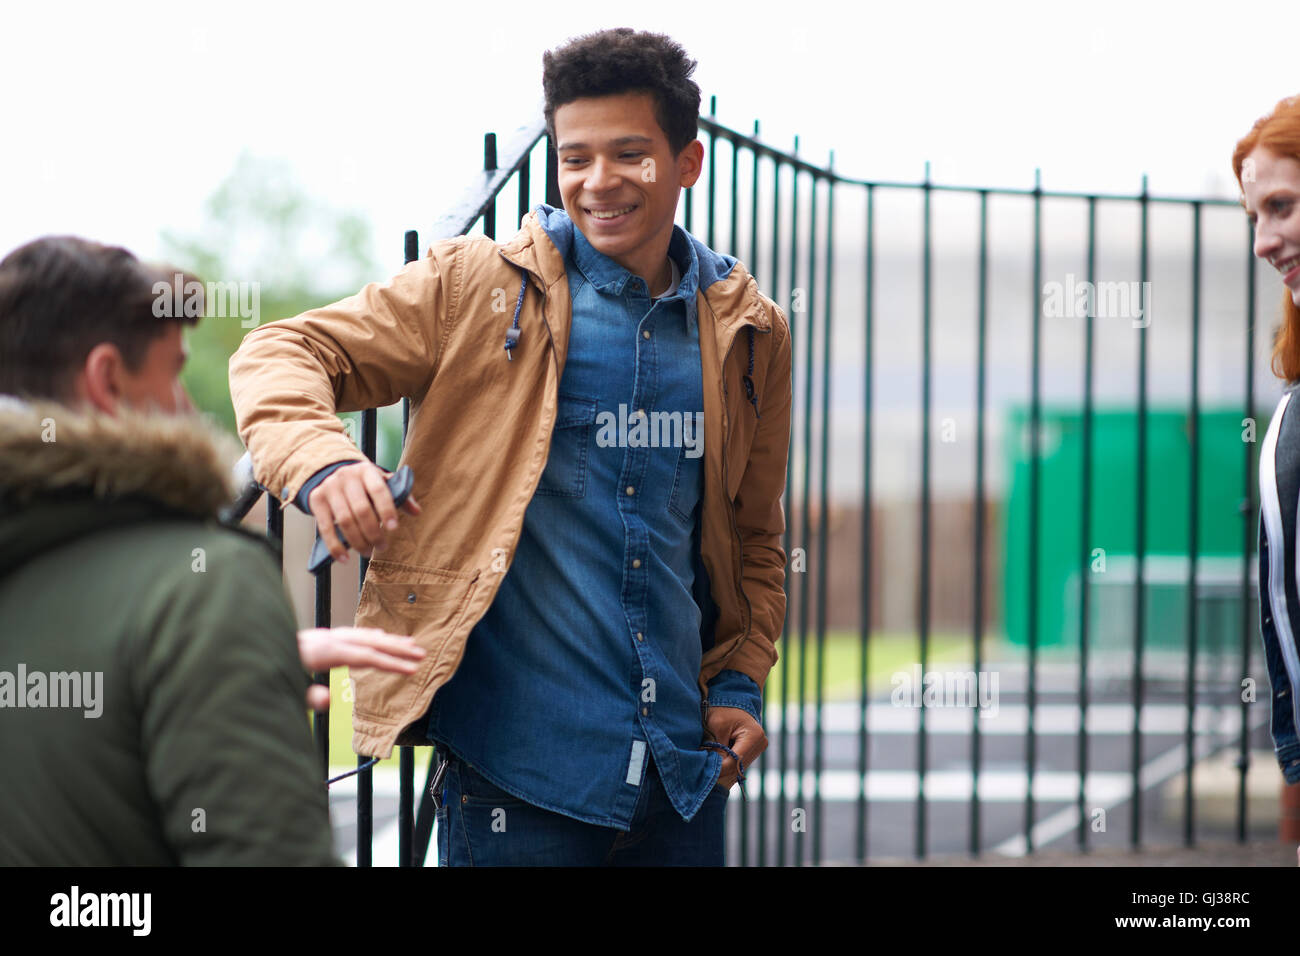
point(480, 430)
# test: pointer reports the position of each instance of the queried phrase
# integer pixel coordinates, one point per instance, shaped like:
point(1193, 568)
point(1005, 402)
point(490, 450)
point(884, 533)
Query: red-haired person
point(1267, 164)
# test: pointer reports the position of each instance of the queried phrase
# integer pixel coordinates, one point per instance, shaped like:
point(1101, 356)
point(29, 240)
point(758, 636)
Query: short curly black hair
point(624, 60)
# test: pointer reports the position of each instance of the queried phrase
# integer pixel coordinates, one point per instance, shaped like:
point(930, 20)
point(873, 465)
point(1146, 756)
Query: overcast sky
point(120, 119)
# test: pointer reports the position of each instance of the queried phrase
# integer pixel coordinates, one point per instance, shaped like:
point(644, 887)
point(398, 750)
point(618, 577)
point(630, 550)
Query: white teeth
point(1285, 267)
point(610, 214)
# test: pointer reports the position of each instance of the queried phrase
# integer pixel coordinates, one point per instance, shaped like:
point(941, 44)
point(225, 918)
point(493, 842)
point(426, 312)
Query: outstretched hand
point(323, 648)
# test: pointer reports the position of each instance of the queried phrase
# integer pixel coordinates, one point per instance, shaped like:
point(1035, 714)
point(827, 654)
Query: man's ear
point(99, 382)
point(690, 163)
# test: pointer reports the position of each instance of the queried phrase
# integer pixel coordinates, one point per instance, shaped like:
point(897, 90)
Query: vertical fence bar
point(797, 695)
point(735, 197)
point(1139, 556)
point(823, 496)
point(1035, 493)
point(1085, 531)
point(553, 197)
point(275, 524)
point(689, 214)
point(406, 402)
point(864, 636)
point(365, 778)
point(923, 589)
point(524, 188)
point(734, 250)
point(753, 223)
point(788, 536)
point(981, 397)
point(405, 805)
point(760, 790)
point(1248, 531)
point(805, 521)
point(713, 174)
point(1193, 531)
point(320, 720)
point(406, 755)
point(489, 166)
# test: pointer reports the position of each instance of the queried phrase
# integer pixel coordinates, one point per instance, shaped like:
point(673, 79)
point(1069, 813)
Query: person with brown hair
point(1267, 166)
point(151, 683)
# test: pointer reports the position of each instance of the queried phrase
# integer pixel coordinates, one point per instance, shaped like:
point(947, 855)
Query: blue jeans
point(479, 824)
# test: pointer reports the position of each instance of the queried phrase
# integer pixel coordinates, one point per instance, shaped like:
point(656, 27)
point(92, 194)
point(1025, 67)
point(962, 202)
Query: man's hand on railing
point(357, 499)
point(323, 648)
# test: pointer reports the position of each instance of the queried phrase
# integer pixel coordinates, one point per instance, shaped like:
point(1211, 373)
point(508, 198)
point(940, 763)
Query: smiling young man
point(600, 605)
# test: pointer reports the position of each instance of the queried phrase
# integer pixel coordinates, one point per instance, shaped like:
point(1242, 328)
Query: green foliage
point(260, 227)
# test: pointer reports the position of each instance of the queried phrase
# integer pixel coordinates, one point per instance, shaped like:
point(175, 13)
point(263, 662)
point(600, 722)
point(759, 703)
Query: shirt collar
point(608, 277)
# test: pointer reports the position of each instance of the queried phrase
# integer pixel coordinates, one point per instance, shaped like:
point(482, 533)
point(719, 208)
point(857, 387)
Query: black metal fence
point(783, 215)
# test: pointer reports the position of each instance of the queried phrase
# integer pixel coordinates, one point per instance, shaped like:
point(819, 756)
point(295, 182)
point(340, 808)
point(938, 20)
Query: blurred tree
point(259, 226)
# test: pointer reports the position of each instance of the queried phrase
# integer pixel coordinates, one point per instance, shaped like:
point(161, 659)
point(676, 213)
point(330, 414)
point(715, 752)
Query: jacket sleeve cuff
point(310, 485)
point(734, 689)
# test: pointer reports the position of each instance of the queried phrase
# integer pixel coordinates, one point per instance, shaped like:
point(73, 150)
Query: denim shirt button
point(640, 636)
point(636, 562)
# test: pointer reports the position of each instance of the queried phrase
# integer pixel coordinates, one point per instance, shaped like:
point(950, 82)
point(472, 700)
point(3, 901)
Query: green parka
point(151, 696)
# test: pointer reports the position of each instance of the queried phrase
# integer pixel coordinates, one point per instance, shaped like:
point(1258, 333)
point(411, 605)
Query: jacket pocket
point(565, 475)
point(427, 603)
point(687, 486)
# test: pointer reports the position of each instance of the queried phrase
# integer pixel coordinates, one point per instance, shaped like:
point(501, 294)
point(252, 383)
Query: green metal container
point(1108, 554)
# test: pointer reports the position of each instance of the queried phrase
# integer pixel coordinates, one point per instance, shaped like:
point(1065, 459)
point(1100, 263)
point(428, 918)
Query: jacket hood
point(65, 473)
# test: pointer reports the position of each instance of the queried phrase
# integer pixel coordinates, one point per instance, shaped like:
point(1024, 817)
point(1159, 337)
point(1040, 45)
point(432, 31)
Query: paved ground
point(895, 821)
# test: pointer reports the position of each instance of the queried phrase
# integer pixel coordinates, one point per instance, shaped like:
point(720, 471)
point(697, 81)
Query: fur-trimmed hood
point(182, 461)
point(66, 472)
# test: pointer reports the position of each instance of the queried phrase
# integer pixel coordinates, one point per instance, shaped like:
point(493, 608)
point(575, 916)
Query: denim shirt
point(1279, 595)
point(585, 667)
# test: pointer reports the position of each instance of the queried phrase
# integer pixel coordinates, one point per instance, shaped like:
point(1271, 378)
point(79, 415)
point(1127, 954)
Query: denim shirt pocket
point(565, 474)
point(686, 486)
